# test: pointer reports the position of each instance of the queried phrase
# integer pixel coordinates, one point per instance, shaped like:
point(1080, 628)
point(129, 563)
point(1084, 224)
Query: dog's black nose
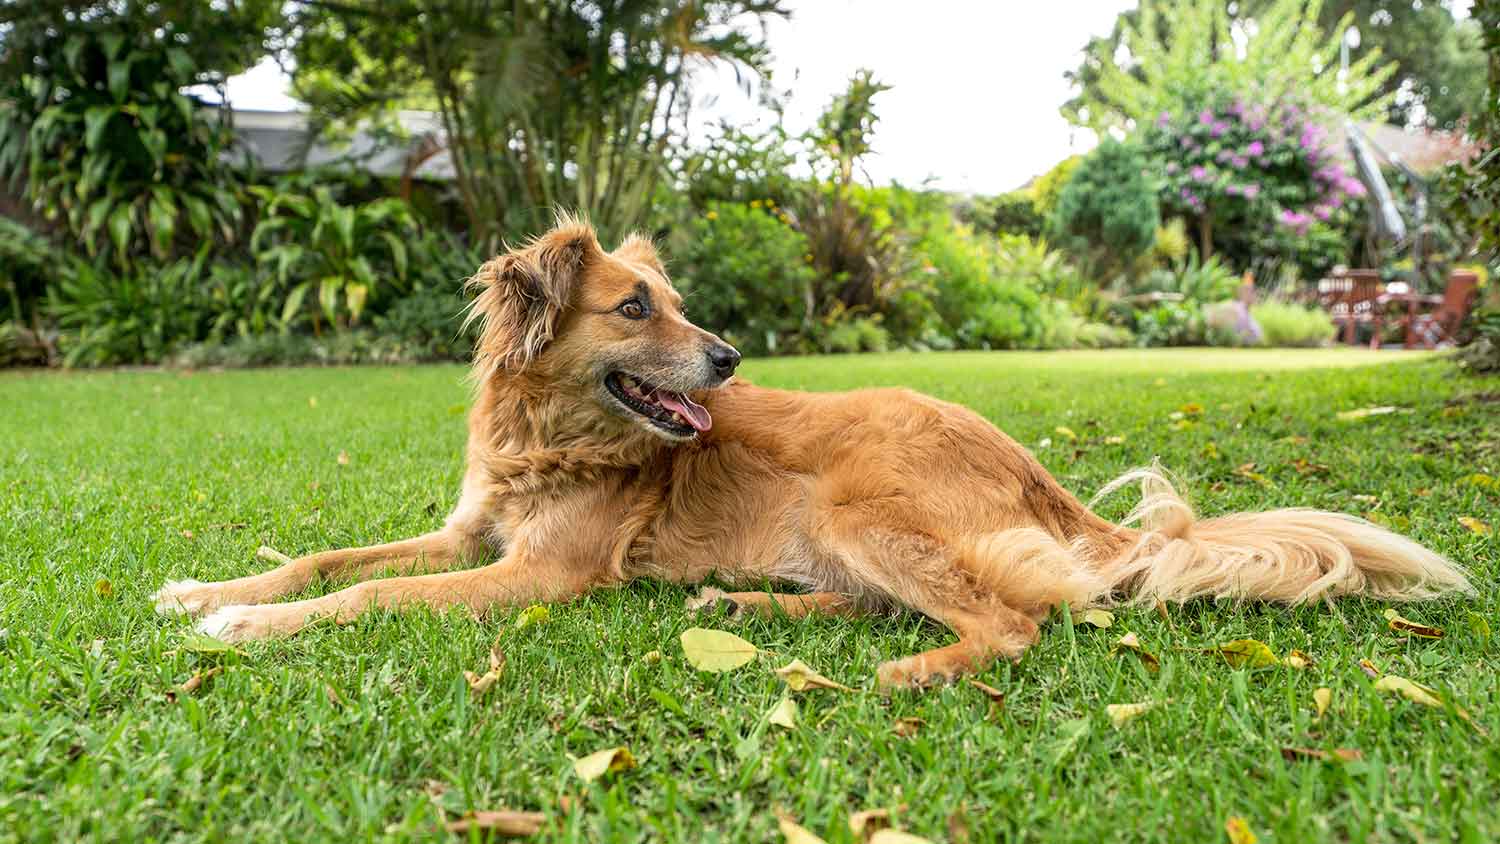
point(724, 359)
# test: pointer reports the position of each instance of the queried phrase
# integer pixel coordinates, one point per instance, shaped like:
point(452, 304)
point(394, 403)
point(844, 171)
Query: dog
point(610, 440)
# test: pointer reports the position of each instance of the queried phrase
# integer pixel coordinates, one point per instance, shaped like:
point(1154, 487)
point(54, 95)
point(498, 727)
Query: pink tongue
point(696, 414)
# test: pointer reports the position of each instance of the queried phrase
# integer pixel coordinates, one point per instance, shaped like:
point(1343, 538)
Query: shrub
point(861, 334)
point(110, 317)
point(1107, 213)
point(427, 325)
point(1482, 353)
point(1008, 213)
point(1170, 324)
point(1048, 187)
point(1199, 282)
point(27, 262)
point(1286, 324)
point(746, 275)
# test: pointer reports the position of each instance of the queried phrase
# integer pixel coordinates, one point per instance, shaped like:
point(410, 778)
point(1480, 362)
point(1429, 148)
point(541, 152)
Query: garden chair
point(1350, 297)
point(1437, 326)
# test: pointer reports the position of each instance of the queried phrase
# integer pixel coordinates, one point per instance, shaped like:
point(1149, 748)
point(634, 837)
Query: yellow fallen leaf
point(610, 760)
point(1246, 653)
point(343, 458)
point(1339, 754)
point(1405, 625)
point(193, 683)
point(800, 677)
point(1114, 440)
point(784, 714)
point(1475, 525)
point(868, 822)
point(1192, 408)
point(534, 614)
point(481, 683)
point(896, 836)
point(1417, 693)
point(1247, 471)
point(1239, 831)
point(499, 823)
point(1369, 668)
point(907, 727)
point(103, 588)
point(1121, 714)
point(997, 697)
point(1322, 697)
point(1096, 617)
point(1066, 433)
point(1482, 481)
point(1297, 659)
point(1130, 642)
point(266, 553)
point(1480, 627)
point(715, 650)
point(1365, 412)
point(795, 833)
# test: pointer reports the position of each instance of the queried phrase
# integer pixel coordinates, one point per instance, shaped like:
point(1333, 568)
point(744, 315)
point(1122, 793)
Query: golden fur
point(873, 498)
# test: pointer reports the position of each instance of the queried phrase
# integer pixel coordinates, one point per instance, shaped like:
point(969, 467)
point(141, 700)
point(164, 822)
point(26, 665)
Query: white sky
point(976, 84)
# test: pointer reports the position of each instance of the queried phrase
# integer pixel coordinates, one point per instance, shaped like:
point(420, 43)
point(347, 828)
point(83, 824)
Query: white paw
point(181, 597)
point(234, 623)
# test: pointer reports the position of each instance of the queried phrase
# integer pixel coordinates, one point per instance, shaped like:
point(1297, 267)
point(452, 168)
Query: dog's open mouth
point(674, 413)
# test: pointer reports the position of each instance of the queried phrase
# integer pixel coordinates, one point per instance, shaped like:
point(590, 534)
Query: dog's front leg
point(512, 581)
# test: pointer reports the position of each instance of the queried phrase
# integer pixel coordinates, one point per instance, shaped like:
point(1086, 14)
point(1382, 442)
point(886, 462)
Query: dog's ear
point(523, 293)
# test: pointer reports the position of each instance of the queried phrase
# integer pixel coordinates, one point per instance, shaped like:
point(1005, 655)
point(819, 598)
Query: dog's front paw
point(239, 623)
point(186, 597)
point(913, 672)
point(709, 598)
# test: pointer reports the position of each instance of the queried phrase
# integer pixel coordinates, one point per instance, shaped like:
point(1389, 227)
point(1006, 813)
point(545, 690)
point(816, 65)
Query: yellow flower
point(713, 215)
point(754, 203)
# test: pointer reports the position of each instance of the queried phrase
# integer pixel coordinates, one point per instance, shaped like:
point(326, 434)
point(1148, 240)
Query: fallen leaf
point(1469, 522)
point(1161, 610)
point(1482, 481)
point(534, 614)
point(651, 657)
point(610, 760)
point(784, 714)
point(1322, 697)
point(1339, 754)
point(103, 588)
point(481, 683)
point(1211, 451)
point(1369, 668)
point(1405, 625)
point(1299, 660)
point(907, 727)
point(200, 644)
point(266, 553)
point(997, 697)
point(1246, 653)
point(896, 836)
point(187, 534)
point(958, 825)
point(1303, 466)
point(1130, 642)
point(1247, 471)
point(1096, 617)
point(1065, 432)
point(1121, 714)
point(715, 650)
point(1192, 408)
point(312, 401)
point(800, 677)
point(333, 696)
point(1480, 627)
point(1239, 831)
point(343, 458)
point(1417, 693)
point(193, 683)
point(795, 833)
point(1365, 413)
point(503, 822)
point(1114, 440)
point(868, 822)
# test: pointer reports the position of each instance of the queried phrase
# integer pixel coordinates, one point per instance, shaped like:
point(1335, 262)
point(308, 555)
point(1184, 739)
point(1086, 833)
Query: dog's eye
point(632, 309)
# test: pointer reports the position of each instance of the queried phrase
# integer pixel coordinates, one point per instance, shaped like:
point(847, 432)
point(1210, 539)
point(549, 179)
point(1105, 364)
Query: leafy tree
point(1108, 210)
point(543, 102)
point(1183, 50)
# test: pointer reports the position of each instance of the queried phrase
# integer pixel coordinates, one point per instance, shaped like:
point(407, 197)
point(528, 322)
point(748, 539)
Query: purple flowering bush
point(1254, 178)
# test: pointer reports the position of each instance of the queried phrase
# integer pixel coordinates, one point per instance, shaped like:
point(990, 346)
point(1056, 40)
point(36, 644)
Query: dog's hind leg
point(432, 552)
point(773, 603)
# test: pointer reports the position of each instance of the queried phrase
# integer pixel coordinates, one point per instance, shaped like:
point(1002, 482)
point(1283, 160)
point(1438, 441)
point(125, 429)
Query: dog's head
point(563, 311)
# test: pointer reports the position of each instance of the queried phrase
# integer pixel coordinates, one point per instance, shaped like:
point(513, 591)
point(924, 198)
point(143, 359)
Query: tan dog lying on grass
point(609, 441)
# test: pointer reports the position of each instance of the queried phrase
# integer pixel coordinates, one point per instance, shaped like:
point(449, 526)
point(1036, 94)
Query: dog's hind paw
point(183, 597)
point(709, 598)
point(234, 623)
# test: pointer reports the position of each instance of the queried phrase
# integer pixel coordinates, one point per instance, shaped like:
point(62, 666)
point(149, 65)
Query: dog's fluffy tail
point(1288, 556)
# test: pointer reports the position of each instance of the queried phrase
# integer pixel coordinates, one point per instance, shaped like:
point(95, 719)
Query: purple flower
point(1322, 212)
point(1296, 220)
point(1239, 162)
point(1199, 173)
point(1223, 156)
point(1163, 120)
point(1206, 117)
point(1252, 191)
point(1232, 190)
point(1256, 148)
point(1257, 123)
point(1219, 128)
point(1172, 168)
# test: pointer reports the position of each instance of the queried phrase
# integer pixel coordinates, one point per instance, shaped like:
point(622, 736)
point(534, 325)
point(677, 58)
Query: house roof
point(281, 141)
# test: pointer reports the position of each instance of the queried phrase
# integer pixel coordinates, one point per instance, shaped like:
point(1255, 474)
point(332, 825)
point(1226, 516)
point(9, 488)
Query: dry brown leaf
point(715, 650)
point(1338, 754)
point(1239, 831)
point(1121, 714)
point(267, 554)
point(1297, 659)
point(193, 683)
point(610, 760)
point(1130, 642)
point(784, 714)
point(333, 695)
point(503, 822)
point(800, 677)
point(868, 822)
point(1322, 697)
point(795, 833)
point(896, 836)
point(1369, 668)
point(907, 727)
point(958, 825)
point(1406, 625)
point(1247, 471)
point(1161, 610)
point(1246, 653)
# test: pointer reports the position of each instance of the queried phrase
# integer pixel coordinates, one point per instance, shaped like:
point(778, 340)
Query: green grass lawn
point(112, 482)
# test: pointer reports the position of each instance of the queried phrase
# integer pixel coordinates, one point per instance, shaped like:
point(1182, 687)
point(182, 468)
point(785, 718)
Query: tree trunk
point(1205, 238)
